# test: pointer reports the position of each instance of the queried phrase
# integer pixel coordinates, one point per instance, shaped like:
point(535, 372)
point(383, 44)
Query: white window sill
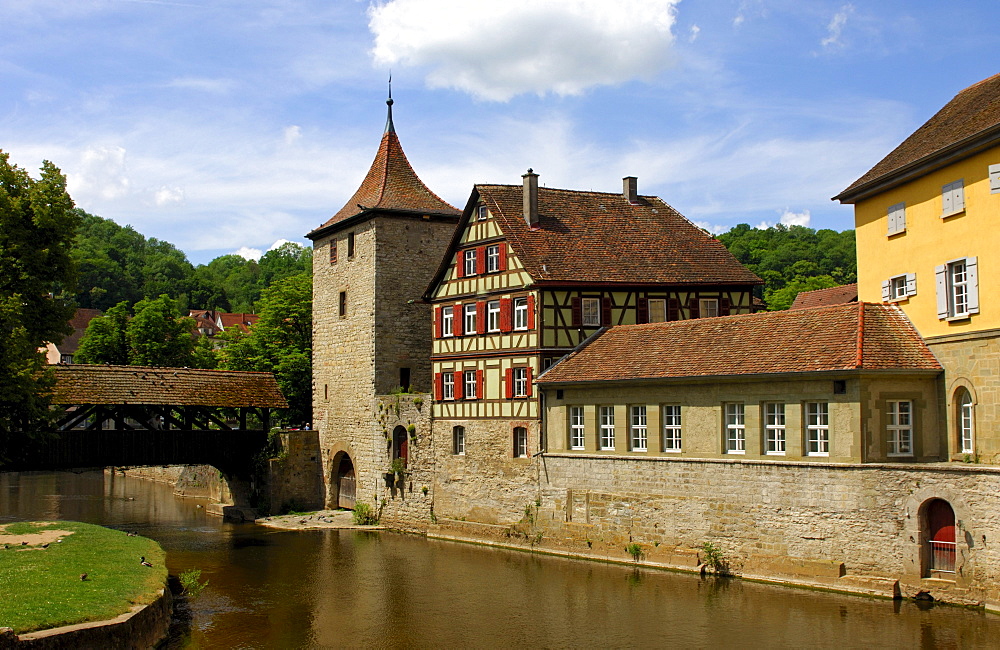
point(958, 317)
point(898, 232)
point(736, 451)
point(578, 449)
point(672, 451)
point(952, 214)
point(774, 453)
point(639, 451)
point(823, 454)
point(899, 455)
point(607, 448)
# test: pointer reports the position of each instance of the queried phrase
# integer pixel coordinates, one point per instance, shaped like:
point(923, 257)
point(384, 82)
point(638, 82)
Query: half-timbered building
point(530, 274)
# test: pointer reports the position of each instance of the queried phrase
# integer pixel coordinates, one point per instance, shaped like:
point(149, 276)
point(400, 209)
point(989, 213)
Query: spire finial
point(389, 127)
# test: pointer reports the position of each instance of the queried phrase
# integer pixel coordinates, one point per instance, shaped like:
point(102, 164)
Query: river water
point(275, 589)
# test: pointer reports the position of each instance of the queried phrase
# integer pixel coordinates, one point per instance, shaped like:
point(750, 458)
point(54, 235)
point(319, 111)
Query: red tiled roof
point(824, 297)
point(79, 322)
point(239, 321)
point(806, 340)
point(972, 114)
point(600, 237)
point(93, 384)
point(391, 185)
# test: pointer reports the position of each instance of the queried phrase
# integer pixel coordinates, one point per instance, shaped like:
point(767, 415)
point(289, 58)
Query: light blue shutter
point(946, 202)
point(972, 283)
point(911, 284)
point(897, 218)
point(886, 290)
point(995, 179)
point(941, 280)
point(958, 196)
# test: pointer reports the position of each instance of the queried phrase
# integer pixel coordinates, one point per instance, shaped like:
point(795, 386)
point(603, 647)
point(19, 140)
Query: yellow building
point(927, 240)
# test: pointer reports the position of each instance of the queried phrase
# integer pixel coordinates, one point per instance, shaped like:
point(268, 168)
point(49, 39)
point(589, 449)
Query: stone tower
point(372, 262)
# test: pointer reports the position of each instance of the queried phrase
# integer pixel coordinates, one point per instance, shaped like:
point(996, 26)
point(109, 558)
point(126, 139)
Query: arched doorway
point(400, 443)
point(939, 522)
point(346, 483)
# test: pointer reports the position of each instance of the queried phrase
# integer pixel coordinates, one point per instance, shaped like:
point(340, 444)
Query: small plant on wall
point(412, 430)
point(398, 466)
point(635, 550)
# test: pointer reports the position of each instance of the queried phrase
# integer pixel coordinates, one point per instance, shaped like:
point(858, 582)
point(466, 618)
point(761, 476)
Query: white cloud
point(279, 244)
point(496, 50)
point(790, 218)
point(292, 134)
point(216, 86)
point(713, 228)
point(248, 253)
point(836, 27)
point(101, 173)
point(693, 33)
point(167, 195)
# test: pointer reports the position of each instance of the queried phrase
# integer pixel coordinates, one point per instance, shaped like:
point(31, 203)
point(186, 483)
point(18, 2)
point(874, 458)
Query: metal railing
point(943, 556)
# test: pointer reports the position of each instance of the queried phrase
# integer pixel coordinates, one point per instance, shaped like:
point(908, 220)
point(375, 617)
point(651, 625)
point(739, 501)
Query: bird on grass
point(131, 534)
point(83, 576)
point(143, 562)
point(46, 545)
point(24, 543)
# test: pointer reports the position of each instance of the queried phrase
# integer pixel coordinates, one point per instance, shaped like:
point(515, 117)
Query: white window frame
point(899, 428)
point(577, 428)
point(493, 316)
point(736, 431)
point(458, 440)
point(656, 309)
point(639, 437)
point(607, 429)
point(817, 428)
point(448, 385)
point(493, 258)
point(899, 287)
point(520, 377)
point(896, 217)
point(520, 442)
point(775, 434)
point(966, 423)
point(708, 307)
point(953, 198)
point(447, 321)
point(957, 288)
point(672, 425)
point(520, 313)
point(590, 312)
point(469, 390)
point(469, 320)
point(469, 262)
point(483, 213)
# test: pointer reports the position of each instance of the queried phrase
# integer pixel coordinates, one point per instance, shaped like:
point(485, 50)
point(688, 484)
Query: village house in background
point(826, 297)
point(212, 323)
point(63, 352)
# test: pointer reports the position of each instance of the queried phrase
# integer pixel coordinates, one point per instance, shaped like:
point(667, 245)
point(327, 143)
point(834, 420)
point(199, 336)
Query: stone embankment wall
point(296, 475)
point(403, 501)
point(188, 480)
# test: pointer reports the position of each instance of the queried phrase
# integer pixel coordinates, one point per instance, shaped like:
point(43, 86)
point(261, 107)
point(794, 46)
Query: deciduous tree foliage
point(37, 226)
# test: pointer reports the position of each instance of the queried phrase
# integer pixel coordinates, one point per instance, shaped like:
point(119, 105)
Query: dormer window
point(483, 213)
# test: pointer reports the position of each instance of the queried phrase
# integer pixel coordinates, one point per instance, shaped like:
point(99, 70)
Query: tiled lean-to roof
point(93, 384)
point(824, 297)
point(599, 237)
point(391, 185)
point(857, 336)
point(970, 121)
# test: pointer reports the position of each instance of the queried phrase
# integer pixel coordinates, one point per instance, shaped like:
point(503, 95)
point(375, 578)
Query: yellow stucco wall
point(931, 240)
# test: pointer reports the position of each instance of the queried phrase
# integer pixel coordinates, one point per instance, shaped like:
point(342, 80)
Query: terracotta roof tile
point(806, 340)
point(829, 296)
point(93, 384)
point(601, 237)
point(970, 114)
point(81, 319)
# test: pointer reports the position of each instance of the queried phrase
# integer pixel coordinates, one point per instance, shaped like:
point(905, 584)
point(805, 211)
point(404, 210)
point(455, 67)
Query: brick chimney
point(630, 189)
point(530, 195)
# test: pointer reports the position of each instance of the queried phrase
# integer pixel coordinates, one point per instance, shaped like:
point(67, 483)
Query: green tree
point(105, 341)
point(159, 336)
point(281, 342)
point(37, 226)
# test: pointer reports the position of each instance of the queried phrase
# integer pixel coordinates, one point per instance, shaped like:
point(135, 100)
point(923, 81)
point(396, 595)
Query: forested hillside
point(791, 259)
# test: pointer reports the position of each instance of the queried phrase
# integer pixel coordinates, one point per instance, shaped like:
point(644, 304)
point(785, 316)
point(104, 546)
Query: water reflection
point(271, 589)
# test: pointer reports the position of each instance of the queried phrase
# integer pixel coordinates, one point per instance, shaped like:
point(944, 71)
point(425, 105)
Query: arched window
point(400, 443)
point(965, 421)
point(939, 522)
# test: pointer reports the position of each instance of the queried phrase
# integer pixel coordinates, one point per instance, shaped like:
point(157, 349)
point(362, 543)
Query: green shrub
point(635, 550)
point(713, 557)
point(191, 584)
point(364, 515)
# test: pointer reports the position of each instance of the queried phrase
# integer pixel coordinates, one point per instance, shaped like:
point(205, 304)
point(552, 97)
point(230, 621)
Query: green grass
point(41, 588)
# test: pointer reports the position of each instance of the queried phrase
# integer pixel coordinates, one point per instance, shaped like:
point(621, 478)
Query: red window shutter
point(673, 309)
point(459, 384)
point(506, 318)
point(437, 323)
point(460, 264)
point(438, 387)
point(481, 317)
point(503, 255)
point(643, 308)
point(577, 312)
point(693, 308)
point(528, 383)
point(531, 311)
point(481, 260)
point(724, 306)
point(457, 319)
point(479, 385)
point(508, 381)
point(606, 312)
point(333, 251)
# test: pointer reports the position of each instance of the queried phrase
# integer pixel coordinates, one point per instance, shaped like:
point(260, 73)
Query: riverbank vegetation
point(63, 572)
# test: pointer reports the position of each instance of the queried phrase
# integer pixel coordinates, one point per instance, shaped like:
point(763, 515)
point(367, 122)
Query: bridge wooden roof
point(93, 384)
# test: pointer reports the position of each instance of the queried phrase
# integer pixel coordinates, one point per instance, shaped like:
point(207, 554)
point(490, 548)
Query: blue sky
point(224, 125)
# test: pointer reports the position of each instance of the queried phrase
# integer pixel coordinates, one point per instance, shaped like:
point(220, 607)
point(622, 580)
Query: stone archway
point(937, 527)
point(343, 483)
point(400, 444)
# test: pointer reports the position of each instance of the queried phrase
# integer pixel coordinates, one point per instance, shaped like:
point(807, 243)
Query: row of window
point(952, 203)
point(350, 248)
point(816, 428)
point(481, 260)
point(519, 441)
point(957, 284)
point(468, 384)
point(595, 312)
point(486, 317)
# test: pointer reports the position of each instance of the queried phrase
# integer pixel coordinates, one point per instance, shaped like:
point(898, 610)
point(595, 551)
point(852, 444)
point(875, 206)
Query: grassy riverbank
point(40, 576)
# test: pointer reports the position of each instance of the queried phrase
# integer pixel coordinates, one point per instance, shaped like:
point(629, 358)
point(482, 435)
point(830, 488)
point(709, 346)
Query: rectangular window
point(638, 428)
point(447, 321)
point(736, 433)
point(493, 316)
point(607, 428)
point(458, 441)
point(657, 310)
point(897, 219)
point(520, 382)
point(469, 318)
point(493, 258)
point(708, 307)
point(899, 428)
point(957, 288)
point(484, 213)
point(520, 442)
point(576, 429)
point(470, 385)
point(953, 198)
point(774, 429)
point(965, 423)
point(520, 313)
point(470, 262)
point(591, 311)
point(333, 251)
point(350, 245)
point(672, 428)
point(448, 385)
point(899, 287)
point(958, 280)
point(342, 305)
point(817, 429)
